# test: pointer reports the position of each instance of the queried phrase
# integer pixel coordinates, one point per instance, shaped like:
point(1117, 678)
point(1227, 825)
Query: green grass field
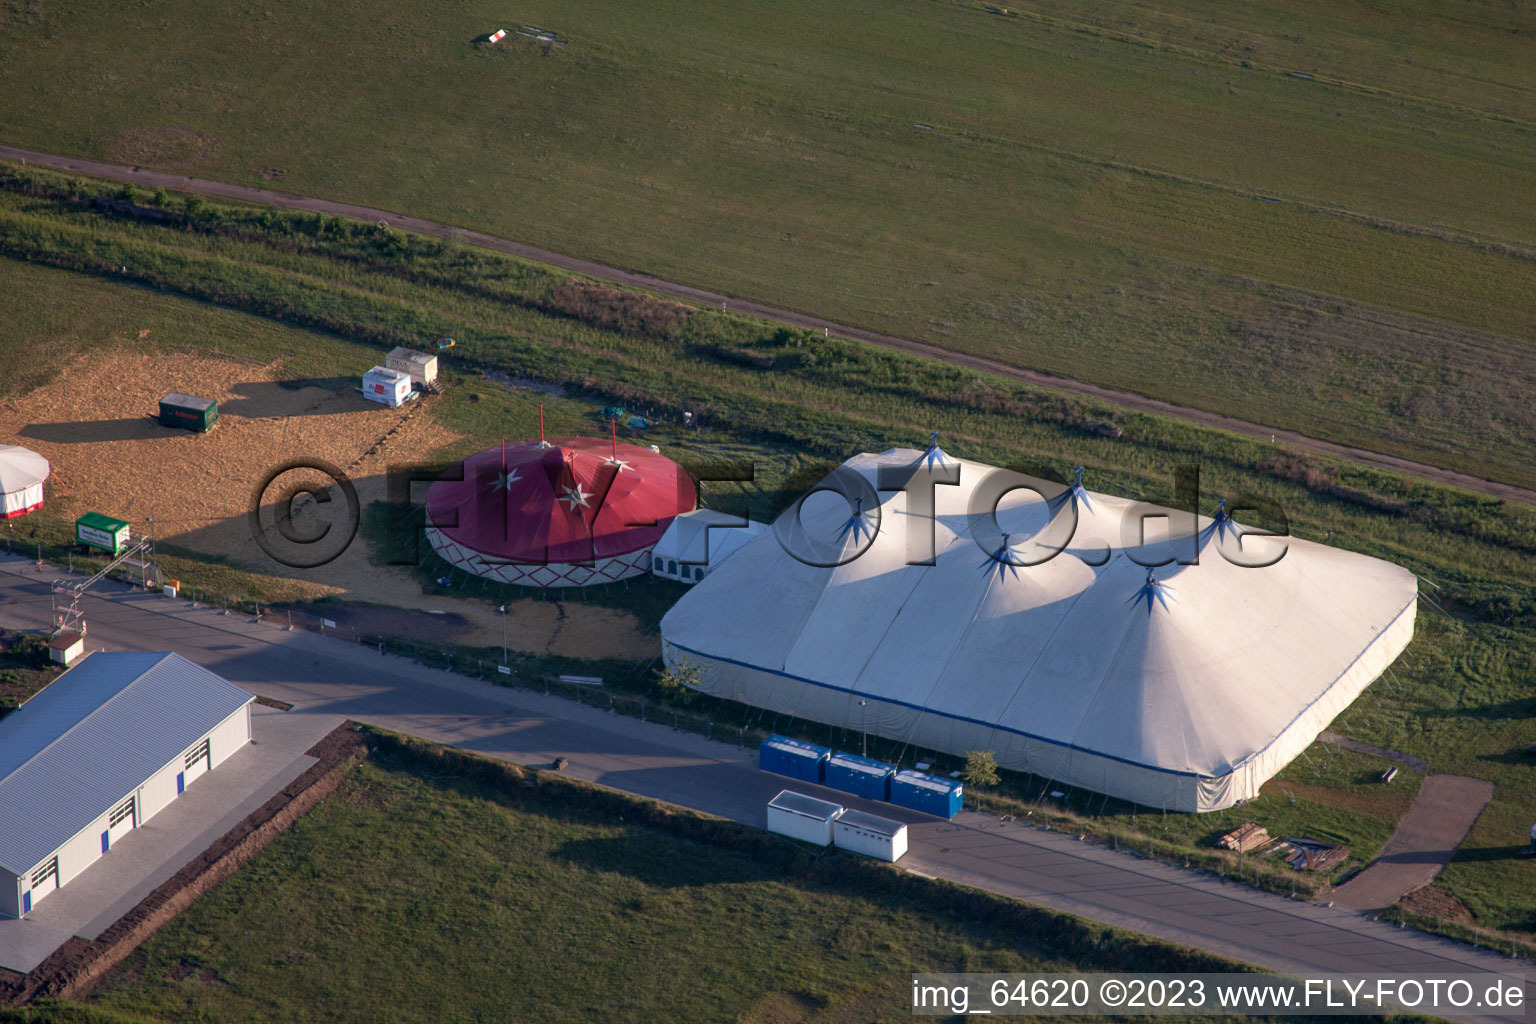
point(442, 889)
point(789, 401)
point(1084, 190)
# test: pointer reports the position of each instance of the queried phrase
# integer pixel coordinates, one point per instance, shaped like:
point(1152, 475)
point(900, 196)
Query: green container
point(104, 533)
point(189, 413)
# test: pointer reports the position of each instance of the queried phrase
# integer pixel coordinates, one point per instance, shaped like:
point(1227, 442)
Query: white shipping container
point(419, 366)
point(390, 387)
point(871, 835)
point(802, 817)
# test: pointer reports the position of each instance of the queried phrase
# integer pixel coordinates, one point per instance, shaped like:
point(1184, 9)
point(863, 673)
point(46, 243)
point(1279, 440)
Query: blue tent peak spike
point(1224, 521)
point(1079, 492)
point(1001, 560)
point(935, 456)
point(856, 525)
point(1152, 590)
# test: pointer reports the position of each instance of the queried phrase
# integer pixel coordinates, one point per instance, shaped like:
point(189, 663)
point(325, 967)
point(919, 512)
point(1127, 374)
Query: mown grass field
point(1148, 199)
point(441, 889)
point(789, 401)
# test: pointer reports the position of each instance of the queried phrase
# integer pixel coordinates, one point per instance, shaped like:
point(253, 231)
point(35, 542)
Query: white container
point(419, 366)
point(66, 648)
point(387, 386)
point(871, 835)
point(803, 817)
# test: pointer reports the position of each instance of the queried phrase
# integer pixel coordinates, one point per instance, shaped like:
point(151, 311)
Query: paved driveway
point(1438, 820)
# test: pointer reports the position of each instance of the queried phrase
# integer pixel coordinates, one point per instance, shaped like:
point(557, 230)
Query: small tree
point(980, 769)
point(680, 680)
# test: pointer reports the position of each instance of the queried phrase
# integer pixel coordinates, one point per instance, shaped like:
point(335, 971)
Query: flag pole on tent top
point(541, 423)
point(613, 428)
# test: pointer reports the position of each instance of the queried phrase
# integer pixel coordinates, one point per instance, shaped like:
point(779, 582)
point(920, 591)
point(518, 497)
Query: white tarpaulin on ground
point(1183, 686)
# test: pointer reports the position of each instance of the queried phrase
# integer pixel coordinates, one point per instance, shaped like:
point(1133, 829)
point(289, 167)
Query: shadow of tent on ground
point(130, 428)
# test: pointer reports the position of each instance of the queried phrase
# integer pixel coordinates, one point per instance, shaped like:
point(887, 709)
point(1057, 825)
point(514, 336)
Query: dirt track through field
point(1127, 399)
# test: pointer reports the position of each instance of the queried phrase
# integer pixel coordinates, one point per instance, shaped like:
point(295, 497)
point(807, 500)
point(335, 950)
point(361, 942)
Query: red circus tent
point(566, 512)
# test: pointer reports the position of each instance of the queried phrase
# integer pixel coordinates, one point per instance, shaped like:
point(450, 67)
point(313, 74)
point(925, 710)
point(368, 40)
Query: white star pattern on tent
point(575, 496)
point(504, 481)
point(622, 464)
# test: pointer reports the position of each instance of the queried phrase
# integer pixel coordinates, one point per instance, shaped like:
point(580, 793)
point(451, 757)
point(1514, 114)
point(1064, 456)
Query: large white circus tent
point(1150, 654)
point(22, 473)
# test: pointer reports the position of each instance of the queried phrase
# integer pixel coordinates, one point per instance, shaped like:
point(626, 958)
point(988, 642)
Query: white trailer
point(871, 835)
point(803, 817)
point(390, 387)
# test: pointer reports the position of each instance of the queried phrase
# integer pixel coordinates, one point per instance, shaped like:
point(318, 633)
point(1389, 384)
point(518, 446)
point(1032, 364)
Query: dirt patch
point(1435, 902)
point(96, 425)
point(781, 1008)
point(79, 963)
point(166, 145)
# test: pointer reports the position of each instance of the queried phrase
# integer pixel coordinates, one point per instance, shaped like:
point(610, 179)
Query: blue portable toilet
point(795, 758)
point(927, 793)
point(860, 775)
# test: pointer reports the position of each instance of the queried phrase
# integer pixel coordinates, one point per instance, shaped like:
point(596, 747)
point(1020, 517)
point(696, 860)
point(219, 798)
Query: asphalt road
point(1130, 400)
point(323, 675)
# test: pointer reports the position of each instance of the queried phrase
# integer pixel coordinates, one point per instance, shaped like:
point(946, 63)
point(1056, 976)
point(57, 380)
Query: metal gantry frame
point(68, 617)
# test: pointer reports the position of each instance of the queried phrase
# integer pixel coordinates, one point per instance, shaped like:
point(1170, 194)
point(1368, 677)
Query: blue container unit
point(927, 793)
point(860, 776)
point(794, 758)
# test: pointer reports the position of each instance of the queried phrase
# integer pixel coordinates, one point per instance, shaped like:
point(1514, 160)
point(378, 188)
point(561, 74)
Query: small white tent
point(22, 472)
point(698, 541)
point(1048, 632)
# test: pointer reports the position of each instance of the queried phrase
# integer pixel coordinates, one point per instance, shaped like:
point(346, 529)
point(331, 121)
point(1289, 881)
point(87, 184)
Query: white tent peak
point(1153, 591)
point(860, 526)
point(1002, 560)
point(935, 456)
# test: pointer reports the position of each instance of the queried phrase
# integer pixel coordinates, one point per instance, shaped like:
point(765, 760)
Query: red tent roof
point(564, 502)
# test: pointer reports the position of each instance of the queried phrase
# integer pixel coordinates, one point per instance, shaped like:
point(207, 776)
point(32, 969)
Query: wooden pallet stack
point(1245, 838)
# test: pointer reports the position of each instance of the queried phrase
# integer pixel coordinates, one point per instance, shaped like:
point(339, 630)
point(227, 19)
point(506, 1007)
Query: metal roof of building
point(93, 736)
point(865, 765)
point(794, 746)
point(799, 803)
point(923, 781)
point(870, 823)
point(188, 401)
point(410, 355)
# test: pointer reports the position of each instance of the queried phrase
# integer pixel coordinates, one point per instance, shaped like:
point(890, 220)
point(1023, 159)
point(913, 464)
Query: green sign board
point(104, 533)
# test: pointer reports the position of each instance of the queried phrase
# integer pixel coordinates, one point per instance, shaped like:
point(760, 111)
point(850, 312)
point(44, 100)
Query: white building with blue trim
point(96, 754)
point(1168, 658)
